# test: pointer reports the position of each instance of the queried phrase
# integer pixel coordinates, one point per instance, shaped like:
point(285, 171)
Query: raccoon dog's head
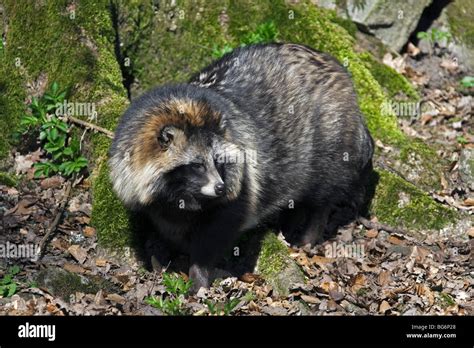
point(167, 150)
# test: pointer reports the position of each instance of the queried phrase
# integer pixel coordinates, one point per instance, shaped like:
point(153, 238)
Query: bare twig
point(90, 125)
point(372, 225)
point(59, 213)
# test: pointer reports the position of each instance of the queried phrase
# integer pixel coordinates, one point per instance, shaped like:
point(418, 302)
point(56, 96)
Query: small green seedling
point(176, 288)
point(219, 308)
point(8, 287)
point(175, 284)
point(462, 140)
point(264, 33)
point(54, 134)
point(467, 81)
point(434, 36)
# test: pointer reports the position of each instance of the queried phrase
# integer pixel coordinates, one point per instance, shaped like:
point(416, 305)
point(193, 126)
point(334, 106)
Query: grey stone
point(391, 21)
point(466, 167)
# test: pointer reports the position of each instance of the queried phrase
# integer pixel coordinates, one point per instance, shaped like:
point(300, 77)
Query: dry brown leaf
point(412, 50)
point(470, 232)
point(250, 277)
point(469, 201)
point(116, 298)
point(397, 63)
point(425, 118)
point(22, 208)
point(101, 262)
point(321, 261)
point(384, 306)
point(302, 260)
point(310, 299)
point(396, 240)
point(51, 308)
point(74, 268)
point(252, 306)
point(83, 219)
point(52, 182)
point(384, 278)
point(60, 244)
point(449, 64)
point(359, 282)
point(78, 253)
point(336, 294)
point(371, 233)
point(444, 182)
point(419, 254)
point(89, 231)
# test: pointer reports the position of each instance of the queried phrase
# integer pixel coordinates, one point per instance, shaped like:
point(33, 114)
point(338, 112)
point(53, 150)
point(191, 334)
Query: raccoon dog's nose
point(219, 189)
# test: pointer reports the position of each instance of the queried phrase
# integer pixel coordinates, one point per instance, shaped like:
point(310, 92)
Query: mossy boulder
point(62, 283)
point(459, 15)
point(71, 43)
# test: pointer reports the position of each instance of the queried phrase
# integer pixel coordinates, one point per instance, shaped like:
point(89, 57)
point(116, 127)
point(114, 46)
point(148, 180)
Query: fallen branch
point(372, 225)
point(90, 125)
point(59, 213)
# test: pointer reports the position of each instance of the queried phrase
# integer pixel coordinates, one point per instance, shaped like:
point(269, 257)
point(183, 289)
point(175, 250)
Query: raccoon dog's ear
point(166, 135)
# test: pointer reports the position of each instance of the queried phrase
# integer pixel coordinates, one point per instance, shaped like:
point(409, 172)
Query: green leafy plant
point(467, 81)
point(175, 284)
point(462, 140)
point(218, 52)
point(54, 133)
point(167, 306)
point(222, 308)
point(434, 36)
point(8, 286)
point(172, 303)
point(264, 33)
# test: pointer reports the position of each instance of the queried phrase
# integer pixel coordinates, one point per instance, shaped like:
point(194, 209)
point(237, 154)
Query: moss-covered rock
point(275, 264)
point(72, 44)
point(395, 86)
point(459, 17)
point(400, 203)
point(63, 284)
point(8, 179)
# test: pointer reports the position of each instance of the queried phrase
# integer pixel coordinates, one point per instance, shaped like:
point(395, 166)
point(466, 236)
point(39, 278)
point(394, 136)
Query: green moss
point(76, 50)
point(394, 84)
point(416, 162)
point(460, 15)
point(63, 284)
point(108, 214)
point(273, 256)
point(12, 96)
point(347, 24)
point(276, 266)
point(8, 179)
point(402, 204)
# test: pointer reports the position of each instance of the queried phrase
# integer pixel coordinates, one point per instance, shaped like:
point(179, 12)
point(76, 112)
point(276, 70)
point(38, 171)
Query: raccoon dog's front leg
point(313, 233)
point(209, 244)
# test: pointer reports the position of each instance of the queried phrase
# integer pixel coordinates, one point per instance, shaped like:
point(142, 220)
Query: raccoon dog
point(264, 131)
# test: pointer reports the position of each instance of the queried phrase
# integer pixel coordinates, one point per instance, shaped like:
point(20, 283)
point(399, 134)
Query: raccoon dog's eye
point(166, 136)
point(198, 167)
